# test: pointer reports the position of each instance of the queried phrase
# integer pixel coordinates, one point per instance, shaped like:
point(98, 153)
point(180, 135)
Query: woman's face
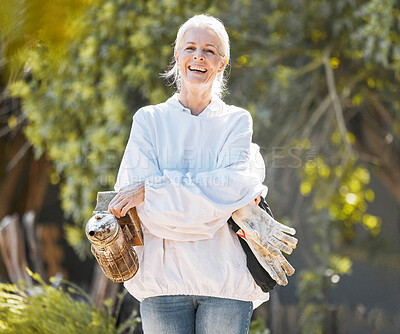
point(199, 59)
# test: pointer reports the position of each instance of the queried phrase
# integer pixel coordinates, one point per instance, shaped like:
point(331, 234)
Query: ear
point(223, 64)
point(176, 55)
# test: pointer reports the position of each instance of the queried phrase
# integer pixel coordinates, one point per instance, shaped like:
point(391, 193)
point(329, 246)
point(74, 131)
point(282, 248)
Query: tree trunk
point(12, 246)
point(378, 145)
point(103, 288)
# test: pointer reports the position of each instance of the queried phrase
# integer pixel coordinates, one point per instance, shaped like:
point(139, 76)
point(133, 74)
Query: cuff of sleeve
point(156, 182)
point(264, 191)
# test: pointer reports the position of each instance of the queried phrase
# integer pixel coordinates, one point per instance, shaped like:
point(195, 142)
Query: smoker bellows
point(113, 239)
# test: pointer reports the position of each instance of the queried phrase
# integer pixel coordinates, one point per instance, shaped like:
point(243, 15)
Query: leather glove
point(267, 239)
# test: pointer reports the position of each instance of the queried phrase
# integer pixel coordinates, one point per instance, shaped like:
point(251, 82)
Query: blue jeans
point(180, 314)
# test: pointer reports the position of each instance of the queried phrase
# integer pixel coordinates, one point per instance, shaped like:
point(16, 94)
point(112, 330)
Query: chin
point(197, 82)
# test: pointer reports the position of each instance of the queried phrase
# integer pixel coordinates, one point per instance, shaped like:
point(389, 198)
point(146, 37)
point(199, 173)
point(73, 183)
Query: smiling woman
point(221, 47)
point(188, 165)
point(199, 62)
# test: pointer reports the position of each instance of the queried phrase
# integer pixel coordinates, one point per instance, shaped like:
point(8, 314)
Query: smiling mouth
point(197, 69)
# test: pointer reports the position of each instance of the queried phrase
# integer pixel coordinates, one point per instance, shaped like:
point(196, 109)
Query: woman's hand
point(127, 198)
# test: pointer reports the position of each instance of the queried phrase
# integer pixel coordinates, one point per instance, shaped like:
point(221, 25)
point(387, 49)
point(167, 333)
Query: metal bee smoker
point(112, 239)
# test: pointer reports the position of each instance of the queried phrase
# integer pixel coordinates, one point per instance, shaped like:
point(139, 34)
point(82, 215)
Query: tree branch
point(317, 114)
point(310, 67)
point(17, 157)
point(384, 113)
point(336, 102)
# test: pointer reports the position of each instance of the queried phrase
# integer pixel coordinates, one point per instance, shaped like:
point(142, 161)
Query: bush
point(60, 307)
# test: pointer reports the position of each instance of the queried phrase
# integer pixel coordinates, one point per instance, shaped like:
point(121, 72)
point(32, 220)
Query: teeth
point(196, 68)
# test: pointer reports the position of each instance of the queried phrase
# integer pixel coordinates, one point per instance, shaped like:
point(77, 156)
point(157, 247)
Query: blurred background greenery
point(321, 79)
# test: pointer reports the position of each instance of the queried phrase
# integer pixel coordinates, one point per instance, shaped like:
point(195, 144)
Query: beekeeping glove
point(267, 239)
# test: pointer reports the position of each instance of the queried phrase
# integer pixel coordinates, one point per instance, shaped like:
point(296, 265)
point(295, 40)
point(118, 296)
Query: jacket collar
point(214, 108)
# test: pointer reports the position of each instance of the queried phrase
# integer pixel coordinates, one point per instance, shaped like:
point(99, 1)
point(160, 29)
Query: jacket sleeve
point(139, 161)
point(185, 206)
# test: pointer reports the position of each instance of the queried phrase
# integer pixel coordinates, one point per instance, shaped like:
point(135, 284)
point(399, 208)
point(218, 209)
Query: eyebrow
point(206, 44)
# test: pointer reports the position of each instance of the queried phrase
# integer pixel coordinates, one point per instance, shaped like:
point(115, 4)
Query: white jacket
point(197, 171)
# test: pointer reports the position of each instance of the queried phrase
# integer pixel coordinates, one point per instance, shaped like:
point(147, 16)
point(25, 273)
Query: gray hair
point(203, 20)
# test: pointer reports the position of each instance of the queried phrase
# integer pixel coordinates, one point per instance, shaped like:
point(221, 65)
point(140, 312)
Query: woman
point(187, 167)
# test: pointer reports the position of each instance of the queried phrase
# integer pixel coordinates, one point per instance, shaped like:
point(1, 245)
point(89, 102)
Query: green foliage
point(342, 189)
point(257, 326)
point(309, 72)
point(29, 23)
point(311, 319)
point(80, 111)
point(45, 308)
point(316, 282)
point(324, 77)
point(378, 38)
point(281, 55)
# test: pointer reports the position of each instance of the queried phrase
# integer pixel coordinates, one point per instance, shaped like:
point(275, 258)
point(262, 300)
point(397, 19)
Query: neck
point(195, 100)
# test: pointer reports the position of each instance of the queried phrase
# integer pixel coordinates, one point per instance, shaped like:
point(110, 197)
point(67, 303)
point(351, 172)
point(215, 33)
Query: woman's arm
point(184, 206)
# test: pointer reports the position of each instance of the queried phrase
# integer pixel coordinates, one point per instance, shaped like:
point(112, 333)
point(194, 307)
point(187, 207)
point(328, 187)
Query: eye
point(189, 48)
point(210, 51)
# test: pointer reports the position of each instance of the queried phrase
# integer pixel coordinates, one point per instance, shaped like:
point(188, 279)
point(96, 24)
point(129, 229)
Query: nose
point(198, 55)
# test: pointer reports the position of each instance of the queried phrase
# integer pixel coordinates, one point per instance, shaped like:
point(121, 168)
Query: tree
point(90, 97)
point(325, 69)
point(319, 77)
point(322, 77)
